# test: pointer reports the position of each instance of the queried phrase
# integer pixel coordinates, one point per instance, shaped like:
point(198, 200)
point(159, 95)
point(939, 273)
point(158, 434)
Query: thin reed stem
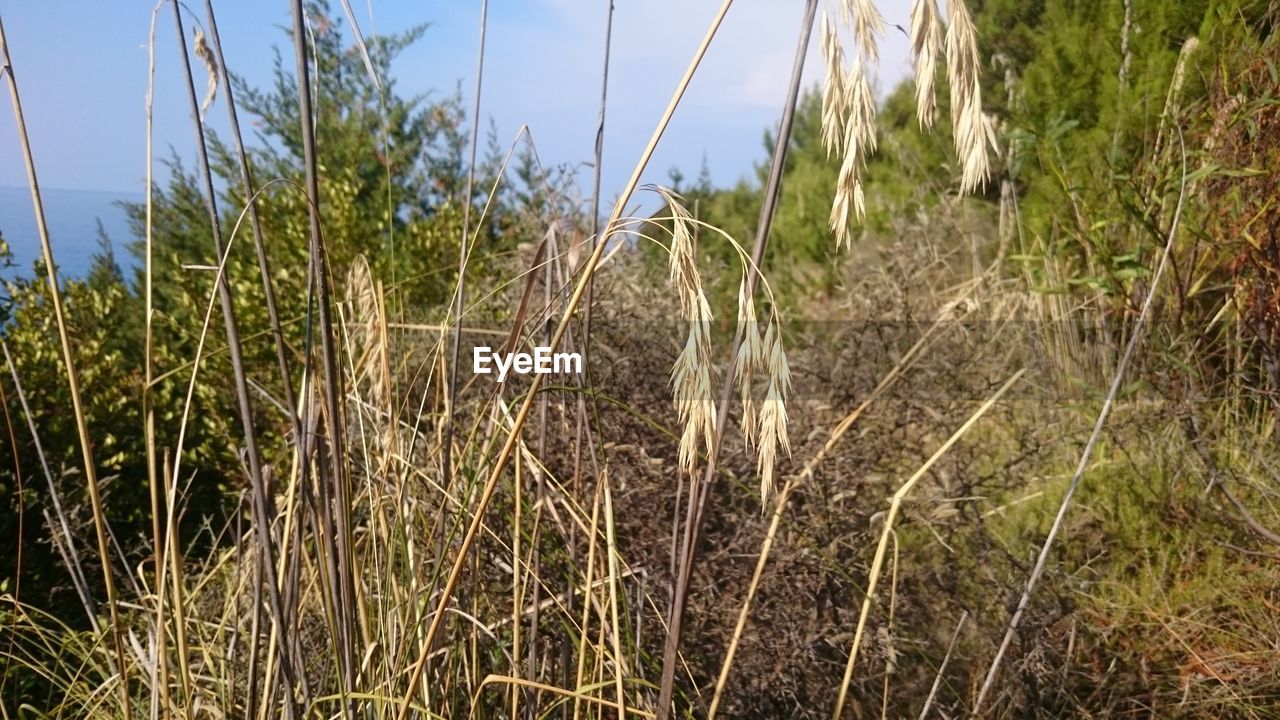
point(942, 667)
point(698, 491)
point(513, 435)
point(335, 518)
point(273, 319)
point(581, 428)
point(260, 501)
point(1087, 453)
point(596, 175)
point(156, 484)
point(463, 251)
point(73, 381)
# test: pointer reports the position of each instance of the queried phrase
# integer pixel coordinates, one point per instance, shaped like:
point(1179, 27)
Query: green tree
point(392, 190)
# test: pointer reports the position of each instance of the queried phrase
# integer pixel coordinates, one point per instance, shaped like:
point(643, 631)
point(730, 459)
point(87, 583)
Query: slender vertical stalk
point(73, 381)
point(595, 234)
point(580, 424)
point(517, 596)
point(173, 568)
point(463, 251)
point(1087, 453)
point(619, 662)
point(597, 171)
point(160, 538)
point(260, 502)
point(893, 604)
point(345, 580)
point(250, 190)
point(282, 360)
point(587, 581)
point(513, 435)
point(698, 491)
point(942, 667)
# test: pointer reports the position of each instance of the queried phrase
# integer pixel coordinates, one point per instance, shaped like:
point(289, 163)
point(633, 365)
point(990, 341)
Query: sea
point(72, 217)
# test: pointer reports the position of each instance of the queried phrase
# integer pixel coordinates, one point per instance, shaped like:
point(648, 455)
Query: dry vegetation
point(746, 508)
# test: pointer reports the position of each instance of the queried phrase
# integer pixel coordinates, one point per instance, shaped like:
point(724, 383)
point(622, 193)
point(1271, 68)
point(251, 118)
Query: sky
point(82, 71)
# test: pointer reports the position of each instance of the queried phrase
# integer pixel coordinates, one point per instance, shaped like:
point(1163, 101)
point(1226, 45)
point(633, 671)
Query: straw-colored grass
point(656, 537)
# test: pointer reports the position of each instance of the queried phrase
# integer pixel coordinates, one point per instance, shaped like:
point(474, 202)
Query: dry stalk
point(895, 504)
point(513, 435)
point(261, 502)
point(155, 484)
point(73, 379)
point(215, 62)
point(619, 661)
point(576, 695)
point(581, 424)
point(1087, 453)
point(942, 667)
point(332, 474)
point(784, 497)
point(464, 252)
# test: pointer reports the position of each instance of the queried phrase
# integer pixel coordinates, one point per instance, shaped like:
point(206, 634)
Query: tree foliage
point(392, 188)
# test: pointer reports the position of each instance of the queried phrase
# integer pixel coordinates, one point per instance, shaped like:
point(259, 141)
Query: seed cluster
point(848, 104)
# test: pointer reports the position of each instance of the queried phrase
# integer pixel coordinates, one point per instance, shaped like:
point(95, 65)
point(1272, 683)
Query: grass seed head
point(835, 95)
point(691, 374)
point(205, 54)
point(868, 25)
point(772, 432)
point(926, 43)
point(970, 126)
point(750, 358)
point(849, 108)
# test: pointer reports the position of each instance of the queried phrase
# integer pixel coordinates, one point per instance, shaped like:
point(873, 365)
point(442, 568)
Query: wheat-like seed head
point(926, 42)
point(364, 323)
point(858, 142)
point(971, 128)
point(835, 96)
point(849, 110)
point(868, 25)
point(691, 385)
point(691, 374)
point(772, 433)
point(205, 54)
point(750, 358)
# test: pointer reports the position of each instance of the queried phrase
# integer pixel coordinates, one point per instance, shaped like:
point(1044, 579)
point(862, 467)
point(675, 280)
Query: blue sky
point(82, 71)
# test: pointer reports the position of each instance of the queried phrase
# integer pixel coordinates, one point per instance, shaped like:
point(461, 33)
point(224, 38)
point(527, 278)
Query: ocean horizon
point(72, 217)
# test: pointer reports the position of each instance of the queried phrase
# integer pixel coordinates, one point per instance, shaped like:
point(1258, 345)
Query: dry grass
point(849, 106)
point(429, 548)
